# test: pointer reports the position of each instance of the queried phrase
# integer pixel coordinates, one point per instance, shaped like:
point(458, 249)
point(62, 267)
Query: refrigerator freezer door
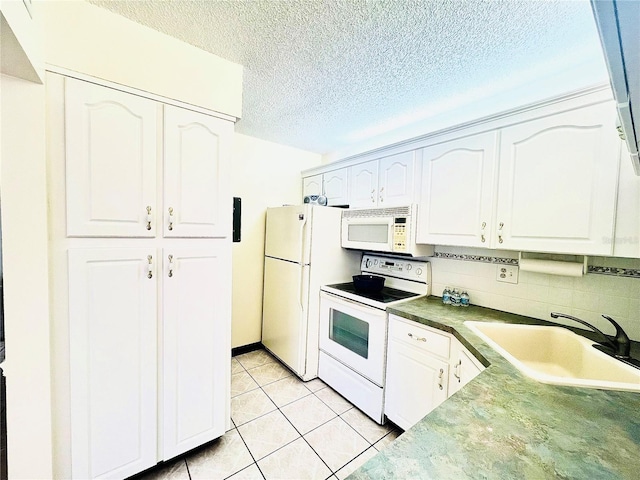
point(284, 314)
point(287, 233)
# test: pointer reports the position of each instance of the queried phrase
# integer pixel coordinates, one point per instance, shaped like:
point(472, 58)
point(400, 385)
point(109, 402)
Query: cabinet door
point(396, 180)
point(197, 345)
point(458, 192)
point(113, 361)
point(335, 187)
point(110, 162)
point(197, 202)
point(312, 185)
point(557, 183)
point(465, 367)
point(363, 184)
point(416, 384)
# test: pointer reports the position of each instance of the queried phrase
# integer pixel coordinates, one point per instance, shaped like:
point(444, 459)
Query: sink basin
point(557, 356)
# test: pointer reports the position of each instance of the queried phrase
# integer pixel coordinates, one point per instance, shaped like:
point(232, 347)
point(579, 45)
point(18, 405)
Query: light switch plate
point(507, 273)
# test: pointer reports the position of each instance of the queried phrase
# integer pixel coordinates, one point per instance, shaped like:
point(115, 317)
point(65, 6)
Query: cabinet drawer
point(424, 338)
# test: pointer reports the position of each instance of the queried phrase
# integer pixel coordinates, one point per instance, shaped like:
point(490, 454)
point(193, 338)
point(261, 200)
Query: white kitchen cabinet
point(385, 182)
point(113, 360)
point(21, 48)
point(363, 185)
point(148, 375)
point(396, 180)
point(336, 184)
point(312, 185)
point(557, 183)
point(195, 174)
point(464, 367)
point(627, 236)
point(425, 366)
point(417, 372)
point(458, 185)
point(333, 185)
point(196, 354)
point(111, 158)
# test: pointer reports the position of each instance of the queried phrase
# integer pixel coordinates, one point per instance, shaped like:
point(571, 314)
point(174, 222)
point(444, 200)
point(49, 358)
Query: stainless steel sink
point(557, 356)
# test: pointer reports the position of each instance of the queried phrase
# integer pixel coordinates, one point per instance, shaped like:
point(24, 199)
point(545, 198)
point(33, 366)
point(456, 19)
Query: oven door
point(368, 233)
point(355, 334)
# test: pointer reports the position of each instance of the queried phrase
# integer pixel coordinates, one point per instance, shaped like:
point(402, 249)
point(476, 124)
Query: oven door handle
point(352, 303)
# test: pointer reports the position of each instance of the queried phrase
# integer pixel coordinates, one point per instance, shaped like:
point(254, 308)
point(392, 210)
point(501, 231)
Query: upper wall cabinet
point(194, 175)
point(111, 162)
point(387, 182)
point(312, 185)
point(333, 185)
point(458, 191)
point(557, 183)
point(112, 157)
point(21, 45)
point(545, 185)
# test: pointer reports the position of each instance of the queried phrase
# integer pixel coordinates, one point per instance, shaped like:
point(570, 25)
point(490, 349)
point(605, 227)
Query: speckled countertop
point(503, 425)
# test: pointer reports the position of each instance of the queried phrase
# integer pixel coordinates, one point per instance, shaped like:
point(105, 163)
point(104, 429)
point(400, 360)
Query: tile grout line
point(278, 408)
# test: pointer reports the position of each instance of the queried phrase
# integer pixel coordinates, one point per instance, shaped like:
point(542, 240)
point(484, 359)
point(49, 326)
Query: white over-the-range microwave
point(390, 230)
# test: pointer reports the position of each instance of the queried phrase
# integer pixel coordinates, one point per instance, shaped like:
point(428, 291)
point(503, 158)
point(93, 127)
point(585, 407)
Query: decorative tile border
point(618, 272)
point(612, 271)
point(477, 258)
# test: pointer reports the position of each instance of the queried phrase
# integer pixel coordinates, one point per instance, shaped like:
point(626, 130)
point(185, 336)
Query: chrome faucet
point(621, 345)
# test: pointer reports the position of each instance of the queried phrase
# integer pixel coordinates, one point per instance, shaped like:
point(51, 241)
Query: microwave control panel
point(400, 235)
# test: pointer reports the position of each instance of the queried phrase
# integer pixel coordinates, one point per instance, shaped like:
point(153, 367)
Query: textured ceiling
point(322, 74)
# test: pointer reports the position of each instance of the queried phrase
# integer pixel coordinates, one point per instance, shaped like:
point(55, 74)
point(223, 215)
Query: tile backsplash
point(612, 287)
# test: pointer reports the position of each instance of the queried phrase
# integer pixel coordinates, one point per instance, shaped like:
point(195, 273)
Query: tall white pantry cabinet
point(140, 223)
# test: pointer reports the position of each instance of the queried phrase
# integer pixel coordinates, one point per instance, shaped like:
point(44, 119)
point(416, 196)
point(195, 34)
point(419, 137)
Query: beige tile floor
point(282, 428)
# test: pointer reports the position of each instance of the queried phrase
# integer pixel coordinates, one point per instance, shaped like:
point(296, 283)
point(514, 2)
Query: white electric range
point(353, 329)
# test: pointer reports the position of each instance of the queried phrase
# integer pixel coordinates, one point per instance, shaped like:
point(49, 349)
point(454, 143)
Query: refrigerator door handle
point(303, 218)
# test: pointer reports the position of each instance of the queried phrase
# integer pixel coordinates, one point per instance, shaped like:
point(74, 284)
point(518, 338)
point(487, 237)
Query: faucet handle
point(622, 342)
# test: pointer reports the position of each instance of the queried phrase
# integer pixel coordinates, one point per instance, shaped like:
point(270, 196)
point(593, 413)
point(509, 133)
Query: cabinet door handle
point(170, 218)
point(417, 339)
point(500, 227)
point(373, 198)
point(148, 217)
point(456, 370)
point(149, 266)
point(482, 237)
point(440, 375)
point(171, 265)
point(381, 197)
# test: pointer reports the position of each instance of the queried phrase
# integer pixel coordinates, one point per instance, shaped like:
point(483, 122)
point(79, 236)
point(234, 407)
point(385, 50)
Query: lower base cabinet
point(123, 420)
point(425, 366)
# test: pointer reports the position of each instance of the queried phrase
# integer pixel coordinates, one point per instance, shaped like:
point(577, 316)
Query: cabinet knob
point(500, 240)
point(482, 237)
point(149, 266)
point(148, 217)
point(171, 265)
point(170, 218)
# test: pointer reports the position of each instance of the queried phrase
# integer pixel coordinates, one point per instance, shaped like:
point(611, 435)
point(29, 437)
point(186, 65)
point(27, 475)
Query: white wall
point(25, 269)
point(91, 40)
point(265, 174)
point(537, 295)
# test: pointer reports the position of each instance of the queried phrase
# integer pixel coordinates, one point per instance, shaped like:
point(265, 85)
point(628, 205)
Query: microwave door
point(374, 234)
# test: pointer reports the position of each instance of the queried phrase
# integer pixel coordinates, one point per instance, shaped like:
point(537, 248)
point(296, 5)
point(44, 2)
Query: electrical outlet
point(507, 274)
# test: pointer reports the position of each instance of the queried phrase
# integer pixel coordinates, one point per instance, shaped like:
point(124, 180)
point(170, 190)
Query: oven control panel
point(408, 269)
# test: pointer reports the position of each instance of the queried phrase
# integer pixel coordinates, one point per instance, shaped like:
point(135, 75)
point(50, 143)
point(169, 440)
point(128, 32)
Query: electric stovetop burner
point(386, 295)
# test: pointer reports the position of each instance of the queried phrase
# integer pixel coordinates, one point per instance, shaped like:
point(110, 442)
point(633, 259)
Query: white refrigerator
point(302, 252)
